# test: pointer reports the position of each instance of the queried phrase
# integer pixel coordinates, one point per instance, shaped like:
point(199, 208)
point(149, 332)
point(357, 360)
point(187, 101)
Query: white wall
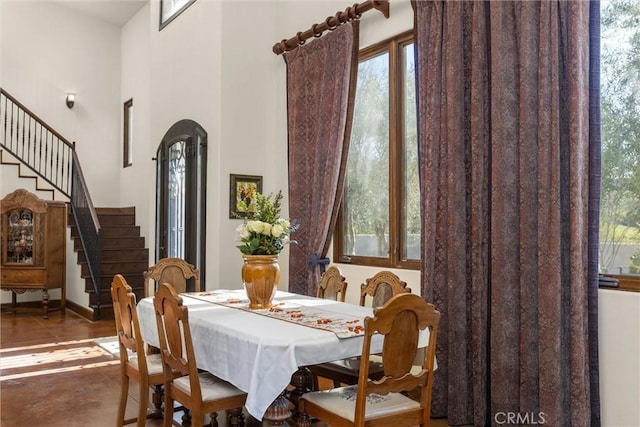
point(137, 182)
point(619, 352)
point(48, 50)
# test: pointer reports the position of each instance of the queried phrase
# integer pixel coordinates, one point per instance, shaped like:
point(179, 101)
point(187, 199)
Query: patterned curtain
point(321, 81)
point(509, 199)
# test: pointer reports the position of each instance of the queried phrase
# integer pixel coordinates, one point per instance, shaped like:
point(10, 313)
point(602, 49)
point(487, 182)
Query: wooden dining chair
point(376, 291)
point(135, 363)
point(175, 271)
point(333, 285)
point(199, 392)
point(382, 403)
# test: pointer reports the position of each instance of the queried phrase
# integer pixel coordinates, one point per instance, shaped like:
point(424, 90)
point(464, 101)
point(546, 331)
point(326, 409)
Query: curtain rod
point(331, 23)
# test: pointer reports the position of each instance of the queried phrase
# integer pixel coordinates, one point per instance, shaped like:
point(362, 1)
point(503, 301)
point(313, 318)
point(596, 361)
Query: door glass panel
point(177, 167)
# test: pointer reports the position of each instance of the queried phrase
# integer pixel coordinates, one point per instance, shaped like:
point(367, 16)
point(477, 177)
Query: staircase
point(106, 240)
point(123, 252)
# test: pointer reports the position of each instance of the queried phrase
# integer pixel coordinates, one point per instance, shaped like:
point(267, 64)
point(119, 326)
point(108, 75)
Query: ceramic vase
point(260, 275)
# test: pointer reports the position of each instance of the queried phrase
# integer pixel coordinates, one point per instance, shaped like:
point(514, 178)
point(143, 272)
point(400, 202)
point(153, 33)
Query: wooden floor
point(53, 374)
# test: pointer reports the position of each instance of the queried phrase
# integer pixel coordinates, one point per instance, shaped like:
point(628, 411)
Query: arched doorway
point(181, 174)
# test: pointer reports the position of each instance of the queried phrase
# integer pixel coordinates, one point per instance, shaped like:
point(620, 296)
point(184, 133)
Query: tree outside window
point(620, 107)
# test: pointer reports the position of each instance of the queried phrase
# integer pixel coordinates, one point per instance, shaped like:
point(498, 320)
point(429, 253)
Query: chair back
point(176, 346)
point(333, 285)
point(127, 325)
point(400, 321)
point(175, 271)
point(381, 287)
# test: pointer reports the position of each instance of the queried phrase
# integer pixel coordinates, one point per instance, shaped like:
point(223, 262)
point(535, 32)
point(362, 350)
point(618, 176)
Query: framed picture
point(242, 191)
point(169, 9)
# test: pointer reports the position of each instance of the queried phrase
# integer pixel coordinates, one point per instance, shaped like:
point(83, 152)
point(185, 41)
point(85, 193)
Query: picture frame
point(241, 190)
point(170, 9)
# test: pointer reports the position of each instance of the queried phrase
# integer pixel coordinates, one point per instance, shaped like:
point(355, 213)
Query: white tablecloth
point(256, 353)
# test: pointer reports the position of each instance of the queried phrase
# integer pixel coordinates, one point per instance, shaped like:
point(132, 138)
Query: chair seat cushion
point(154, 364)
point(212, 387)
point(342, 401)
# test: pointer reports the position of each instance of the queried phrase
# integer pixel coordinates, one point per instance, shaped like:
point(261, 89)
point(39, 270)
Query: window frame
point(171, 9)
point(397, 223)
point(126, 134)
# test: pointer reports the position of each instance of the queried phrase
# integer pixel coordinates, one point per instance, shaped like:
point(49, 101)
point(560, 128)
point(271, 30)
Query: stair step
point(109, 214)
point(124, 254)
point(105, 297)
point(106, 211)
point(116, 220)
point(117, 267)
point(135, 280)
point(112, 231)
point(115, 243)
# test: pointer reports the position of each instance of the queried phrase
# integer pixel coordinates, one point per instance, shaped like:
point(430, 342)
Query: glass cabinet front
point(21, 229)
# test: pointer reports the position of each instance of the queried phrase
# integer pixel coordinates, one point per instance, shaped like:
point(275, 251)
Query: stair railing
point(54, 159)
point(89, 229)
point(36, 144)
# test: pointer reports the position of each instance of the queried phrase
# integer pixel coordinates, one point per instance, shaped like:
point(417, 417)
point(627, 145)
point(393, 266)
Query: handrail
point(89, 229)
point(35, 143)
point(53, 158)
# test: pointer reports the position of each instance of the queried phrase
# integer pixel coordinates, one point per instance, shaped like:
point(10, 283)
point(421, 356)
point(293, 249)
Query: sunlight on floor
point(76, 355)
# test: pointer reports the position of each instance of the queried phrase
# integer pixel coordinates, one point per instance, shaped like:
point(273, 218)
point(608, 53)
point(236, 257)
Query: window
point(620, 110)
point(127, 158)
point(379, 222)
point(170, 9)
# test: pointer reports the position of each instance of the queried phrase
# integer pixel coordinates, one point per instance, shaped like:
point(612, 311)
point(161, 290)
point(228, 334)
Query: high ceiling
point(116, 12)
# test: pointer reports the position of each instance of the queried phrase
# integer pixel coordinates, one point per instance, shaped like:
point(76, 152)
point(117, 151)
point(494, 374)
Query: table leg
point(278, 412)
point(157, 398)
point(302, 381)
point(235, 417)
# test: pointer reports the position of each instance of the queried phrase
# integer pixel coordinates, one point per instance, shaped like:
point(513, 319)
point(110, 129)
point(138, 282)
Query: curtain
point(321, 81)
point(509, 196)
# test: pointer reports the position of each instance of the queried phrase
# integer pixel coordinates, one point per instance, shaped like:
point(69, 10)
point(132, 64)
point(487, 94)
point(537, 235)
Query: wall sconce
point(71, 99)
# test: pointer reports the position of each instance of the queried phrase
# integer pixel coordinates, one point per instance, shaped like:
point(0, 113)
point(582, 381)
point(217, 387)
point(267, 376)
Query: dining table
point(258, 350)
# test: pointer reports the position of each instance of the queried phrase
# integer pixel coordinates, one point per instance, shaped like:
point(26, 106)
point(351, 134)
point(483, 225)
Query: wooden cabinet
point(34, 233)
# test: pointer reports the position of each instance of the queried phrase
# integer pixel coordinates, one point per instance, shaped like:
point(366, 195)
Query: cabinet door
point(23, 232)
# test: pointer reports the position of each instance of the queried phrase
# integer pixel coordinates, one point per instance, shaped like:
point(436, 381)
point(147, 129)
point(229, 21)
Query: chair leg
point(122, 405)
point(197, 417)
point(168, 411)
point(143, 392)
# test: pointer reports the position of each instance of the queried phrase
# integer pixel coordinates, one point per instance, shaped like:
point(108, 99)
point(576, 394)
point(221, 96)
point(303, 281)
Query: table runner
point(342, 325)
